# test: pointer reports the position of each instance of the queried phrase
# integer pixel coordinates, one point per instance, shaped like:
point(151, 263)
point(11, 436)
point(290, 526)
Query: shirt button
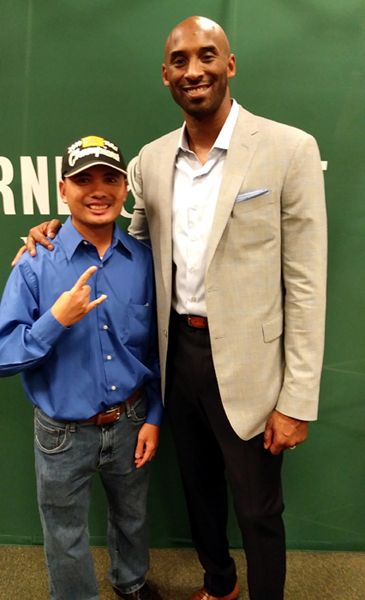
point(109, 357)
point(113, 388)
point(101, 266)
point(85, 243)
point(193, 299)
point(105, 327)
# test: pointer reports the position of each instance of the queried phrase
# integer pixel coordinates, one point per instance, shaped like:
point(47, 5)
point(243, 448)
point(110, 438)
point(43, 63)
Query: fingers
point(37, 235)
point(84, 278)
point(276, 449)
point(147, 443)
point(52, 228)
point(280, 441)
point(74, 304)
point(138, 455)
point(283, 432)
point(267, 437)
point(97, 301)
point(147, 456)
point(18, 255)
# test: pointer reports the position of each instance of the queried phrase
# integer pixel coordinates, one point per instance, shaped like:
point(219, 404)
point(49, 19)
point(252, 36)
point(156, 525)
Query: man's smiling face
point(197, 66)
point(95, 197)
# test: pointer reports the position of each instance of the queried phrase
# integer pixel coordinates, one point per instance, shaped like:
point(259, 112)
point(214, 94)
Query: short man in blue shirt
point(79, 323)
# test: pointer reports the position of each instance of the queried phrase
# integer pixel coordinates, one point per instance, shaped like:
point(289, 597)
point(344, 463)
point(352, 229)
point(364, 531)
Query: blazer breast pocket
point(245, 196)
point(252, 200)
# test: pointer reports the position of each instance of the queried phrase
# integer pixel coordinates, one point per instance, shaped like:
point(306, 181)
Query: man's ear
point(61, 188)
point(231, 66)
point(165, 80)
point(126, 188)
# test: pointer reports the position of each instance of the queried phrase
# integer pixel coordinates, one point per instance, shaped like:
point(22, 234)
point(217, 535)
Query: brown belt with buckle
point(195, 321)
point(114, 413)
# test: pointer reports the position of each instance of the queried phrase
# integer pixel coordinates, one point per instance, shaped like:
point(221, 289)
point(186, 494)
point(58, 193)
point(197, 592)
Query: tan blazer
point(266, 272)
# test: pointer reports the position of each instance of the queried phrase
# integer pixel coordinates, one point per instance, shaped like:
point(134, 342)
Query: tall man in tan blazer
point(234, 207)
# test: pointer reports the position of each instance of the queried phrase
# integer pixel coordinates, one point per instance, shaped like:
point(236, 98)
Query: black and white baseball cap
point(90, 151)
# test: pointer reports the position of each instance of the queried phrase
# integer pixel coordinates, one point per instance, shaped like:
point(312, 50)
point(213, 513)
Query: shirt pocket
point(139, 325)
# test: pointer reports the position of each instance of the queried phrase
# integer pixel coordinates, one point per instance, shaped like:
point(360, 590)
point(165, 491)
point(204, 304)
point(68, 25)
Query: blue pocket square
point(253, 194)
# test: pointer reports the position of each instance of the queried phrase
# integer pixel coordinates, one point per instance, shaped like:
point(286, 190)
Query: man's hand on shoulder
point(283, 432)
point(38, 235)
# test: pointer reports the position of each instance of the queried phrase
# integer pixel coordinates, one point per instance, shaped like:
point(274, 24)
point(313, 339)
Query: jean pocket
point(51, 438)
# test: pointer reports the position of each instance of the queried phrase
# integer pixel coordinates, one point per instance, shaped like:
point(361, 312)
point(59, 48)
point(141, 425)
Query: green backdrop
point(93, 66)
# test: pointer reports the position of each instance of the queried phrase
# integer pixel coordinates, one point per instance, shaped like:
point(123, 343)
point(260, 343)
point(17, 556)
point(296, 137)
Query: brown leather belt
point(112, 414)
point(196, 321)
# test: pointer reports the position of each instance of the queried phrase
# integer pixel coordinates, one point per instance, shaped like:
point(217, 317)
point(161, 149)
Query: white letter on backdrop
point(34, 183)
point(7, 174)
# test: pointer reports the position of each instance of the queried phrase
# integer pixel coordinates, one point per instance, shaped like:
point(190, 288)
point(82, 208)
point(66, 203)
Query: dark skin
point(197, 67)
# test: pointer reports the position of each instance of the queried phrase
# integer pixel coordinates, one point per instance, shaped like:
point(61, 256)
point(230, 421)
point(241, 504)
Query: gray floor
point(311, 575)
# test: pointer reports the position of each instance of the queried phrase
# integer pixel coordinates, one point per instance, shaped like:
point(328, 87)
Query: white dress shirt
point(196, 189)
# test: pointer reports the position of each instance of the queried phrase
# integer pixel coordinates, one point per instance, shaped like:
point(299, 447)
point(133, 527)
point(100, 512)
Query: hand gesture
point(73, 305)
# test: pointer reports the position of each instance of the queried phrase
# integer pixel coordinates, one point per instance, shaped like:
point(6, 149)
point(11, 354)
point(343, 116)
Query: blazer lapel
point(240, 152)
point(165, 166)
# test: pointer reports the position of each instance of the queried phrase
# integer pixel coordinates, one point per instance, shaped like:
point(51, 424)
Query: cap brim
point(93, 164)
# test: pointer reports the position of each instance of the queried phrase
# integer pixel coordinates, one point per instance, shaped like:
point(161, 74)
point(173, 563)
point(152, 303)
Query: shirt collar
point(71, 238)
point(224, 136)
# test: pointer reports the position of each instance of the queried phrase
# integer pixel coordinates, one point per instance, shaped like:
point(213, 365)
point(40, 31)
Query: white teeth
point(197, 90)
point(98, 206)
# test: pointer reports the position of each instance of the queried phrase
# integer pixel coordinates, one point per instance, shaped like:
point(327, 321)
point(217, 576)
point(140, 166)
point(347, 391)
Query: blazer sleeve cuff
point(298, 408)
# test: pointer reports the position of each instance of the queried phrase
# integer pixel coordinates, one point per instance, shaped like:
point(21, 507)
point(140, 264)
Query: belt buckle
point(112, 409)
point(109, 416)
point(115, 410)
point(196, 321)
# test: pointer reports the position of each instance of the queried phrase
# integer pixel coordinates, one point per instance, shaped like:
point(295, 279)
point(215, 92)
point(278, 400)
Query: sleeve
point(153, 385)
point(26, 337)
point(155, 408)
point(138, 227)
point(304, 257)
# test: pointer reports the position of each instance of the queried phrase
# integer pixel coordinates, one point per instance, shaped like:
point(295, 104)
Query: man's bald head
point(197, 24)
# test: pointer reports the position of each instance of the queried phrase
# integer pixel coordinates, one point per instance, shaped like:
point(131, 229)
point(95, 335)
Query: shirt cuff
point(47, 330)
point(154, 402)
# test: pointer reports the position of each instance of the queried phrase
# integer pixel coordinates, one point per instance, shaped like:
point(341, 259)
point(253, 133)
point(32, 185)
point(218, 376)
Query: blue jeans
point(66, 457)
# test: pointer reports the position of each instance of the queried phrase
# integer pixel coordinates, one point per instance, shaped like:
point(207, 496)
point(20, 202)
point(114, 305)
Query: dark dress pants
point(210, 453)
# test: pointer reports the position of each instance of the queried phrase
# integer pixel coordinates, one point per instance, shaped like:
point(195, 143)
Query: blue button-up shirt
point(72, 373)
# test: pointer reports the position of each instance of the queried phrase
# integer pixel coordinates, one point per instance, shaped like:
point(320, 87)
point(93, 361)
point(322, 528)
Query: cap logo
point(92, 140)
point(92, 144)
point(89, 151)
